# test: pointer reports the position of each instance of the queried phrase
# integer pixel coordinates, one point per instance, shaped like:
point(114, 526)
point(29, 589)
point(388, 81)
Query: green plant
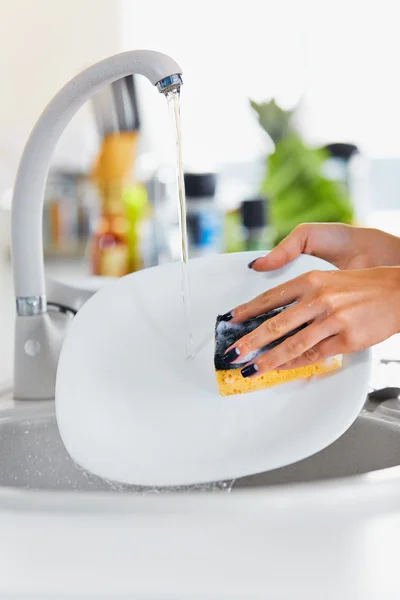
point(294, 182)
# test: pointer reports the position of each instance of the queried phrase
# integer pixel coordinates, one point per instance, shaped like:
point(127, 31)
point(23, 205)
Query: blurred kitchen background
point(290, 113)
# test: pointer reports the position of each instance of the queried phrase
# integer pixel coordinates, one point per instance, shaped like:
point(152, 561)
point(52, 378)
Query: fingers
point(302, 344)
point(277, 297)
point(289, 249)
point(273, 329)
point(326, 349)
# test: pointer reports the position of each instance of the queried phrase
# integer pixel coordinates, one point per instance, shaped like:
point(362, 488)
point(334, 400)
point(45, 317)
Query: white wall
point(341, 58)
point(43, 43)
point(351, 92)
point(217, 44)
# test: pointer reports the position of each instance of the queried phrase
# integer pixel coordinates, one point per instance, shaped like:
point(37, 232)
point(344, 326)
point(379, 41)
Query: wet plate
point(131, 408)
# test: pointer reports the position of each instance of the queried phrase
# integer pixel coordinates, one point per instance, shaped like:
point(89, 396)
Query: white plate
point(131, 408)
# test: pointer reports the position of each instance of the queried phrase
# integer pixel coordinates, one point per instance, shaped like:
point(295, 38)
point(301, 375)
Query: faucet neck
point(28, 197)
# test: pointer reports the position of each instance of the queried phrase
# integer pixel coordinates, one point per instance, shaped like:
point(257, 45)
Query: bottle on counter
point(110, 242)
point(110, 245)
point(138, 212)
point(118, 242)
point(204, 221)
point(348, 166)
point(256, 232)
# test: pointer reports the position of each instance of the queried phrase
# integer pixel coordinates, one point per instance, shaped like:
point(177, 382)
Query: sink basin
point(33, 455)
point(67, 534)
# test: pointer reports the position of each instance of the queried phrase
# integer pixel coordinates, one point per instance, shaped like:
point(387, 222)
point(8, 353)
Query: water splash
point(113, 486)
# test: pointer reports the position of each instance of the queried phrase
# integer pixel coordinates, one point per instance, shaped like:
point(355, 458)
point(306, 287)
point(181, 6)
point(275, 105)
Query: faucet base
point(38, 341)
point(39, 337)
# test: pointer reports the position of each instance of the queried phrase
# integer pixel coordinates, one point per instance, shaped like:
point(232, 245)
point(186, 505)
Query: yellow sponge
point(232, 382)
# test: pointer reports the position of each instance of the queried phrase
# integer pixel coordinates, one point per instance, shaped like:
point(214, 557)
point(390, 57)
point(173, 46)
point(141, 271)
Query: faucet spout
point(168, 84)
point(27, 204)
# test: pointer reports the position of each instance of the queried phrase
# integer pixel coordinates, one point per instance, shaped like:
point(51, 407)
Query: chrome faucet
point(43, 312)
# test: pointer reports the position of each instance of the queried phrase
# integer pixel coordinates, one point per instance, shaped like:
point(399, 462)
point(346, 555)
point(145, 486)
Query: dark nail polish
point(231, 355)
point(250, 265)
point(249, 370)
point(227, 316)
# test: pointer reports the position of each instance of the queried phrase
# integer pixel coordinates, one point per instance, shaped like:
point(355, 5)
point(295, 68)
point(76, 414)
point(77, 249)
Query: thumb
point(286, 251)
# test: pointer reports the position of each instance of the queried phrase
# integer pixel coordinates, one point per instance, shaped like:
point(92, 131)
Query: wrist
point(387, 248)
point(393, 277)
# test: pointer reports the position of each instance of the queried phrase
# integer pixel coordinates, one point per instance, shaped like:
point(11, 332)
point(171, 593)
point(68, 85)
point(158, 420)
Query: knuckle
point(264, 298)
point(343, 320)
point(245, 346)
point(325, 299)
point(312, 355)
point(266, 362)
point(285, 254)
point(291, 364)
point(334, 323)
point(313, 278)
point(274, 326)
point(301, 230)
point(295, 345)
point(350, 339)
point(240, 311)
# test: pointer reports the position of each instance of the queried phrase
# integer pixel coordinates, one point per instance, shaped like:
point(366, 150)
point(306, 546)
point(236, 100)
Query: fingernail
point(227, 316)
point(231, 355)
point(249, 370)
point(251, 264)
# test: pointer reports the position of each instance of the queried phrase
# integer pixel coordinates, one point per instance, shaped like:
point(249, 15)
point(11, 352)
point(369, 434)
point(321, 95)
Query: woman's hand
point(344, 246)
point(345, 311)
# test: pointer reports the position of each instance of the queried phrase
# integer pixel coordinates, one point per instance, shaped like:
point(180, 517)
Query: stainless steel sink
point(371, 444)
point(33, 455)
